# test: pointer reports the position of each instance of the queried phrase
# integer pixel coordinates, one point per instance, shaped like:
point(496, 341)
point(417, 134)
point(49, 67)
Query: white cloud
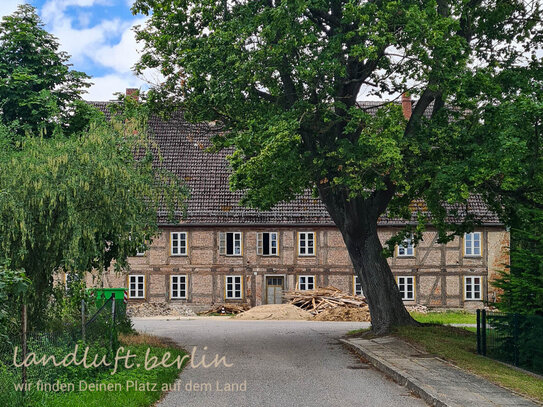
point(9, 6)
point(109, 44)
point(122, 56)
point(104, 87)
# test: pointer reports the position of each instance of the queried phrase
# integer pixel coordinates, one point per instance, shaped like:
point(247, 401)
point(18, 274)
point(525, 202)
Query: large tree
point(81, 203)
point(38, 91)
point(283, 78)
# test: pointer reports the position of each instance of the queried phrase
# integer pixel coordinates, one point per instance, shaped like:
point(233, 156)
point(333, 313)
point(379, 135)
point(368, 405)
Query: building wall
point(438, 269)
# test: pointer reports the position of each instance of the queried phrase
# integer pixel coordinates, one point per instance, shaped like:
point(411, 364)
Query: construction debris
point(275, 312)
point(331, 302)
point(155, 309)
point(224, 309)
point(422, 309)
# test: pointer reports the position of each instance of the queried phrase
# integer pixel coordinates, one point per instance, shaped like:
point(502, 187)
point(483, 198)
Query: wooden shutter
point(222, 243)
point(259, 240)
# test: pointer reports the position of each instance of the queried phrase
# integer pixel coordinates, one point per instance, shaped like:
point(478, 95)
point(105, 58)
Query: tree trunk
point(386, 306)
point(357, 221)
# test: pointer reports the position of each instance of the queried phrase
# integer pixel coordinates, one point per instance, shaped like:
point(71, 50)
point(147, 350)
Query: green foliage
point(80, 203)
point(522, 281)
point(283, 77)
point(37, 87)
point(13, 284)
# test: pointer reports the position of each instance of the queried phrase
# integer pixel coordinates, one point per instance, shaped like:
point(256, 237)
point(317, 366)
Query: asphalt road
point(282, 363)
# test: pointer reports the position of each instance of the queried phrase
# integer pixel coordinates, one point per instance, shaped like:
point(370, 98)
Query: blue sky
point(98, 35)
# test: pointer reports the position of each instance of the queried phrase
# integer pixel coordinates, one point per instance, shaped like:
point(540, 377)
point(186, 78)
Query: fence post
point(515, 339)
point(112, 321)
point(24, 350)
point(83, 320)
point(483, 331)
point(479, 331)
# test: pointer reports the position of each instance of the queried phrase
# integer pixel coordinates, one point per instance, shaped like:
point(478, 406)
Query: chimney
point(407, 105)
point(133, 93)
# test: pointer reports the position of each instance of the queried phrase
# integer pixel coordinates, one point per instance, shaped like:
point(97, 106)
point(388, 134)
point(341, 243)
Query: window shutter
point(222, 243)
point(259, 240)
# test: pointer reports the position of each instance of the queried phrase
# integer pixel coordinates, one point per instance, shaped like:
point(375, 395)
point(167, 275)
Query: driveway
point(282, 363)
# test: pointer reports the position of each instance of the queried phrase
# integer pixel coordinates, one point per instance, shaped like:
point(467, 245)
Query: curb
point(400, 378)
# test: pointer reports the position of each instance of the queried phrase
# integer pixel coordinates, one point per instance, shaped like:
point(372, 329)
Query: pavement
point(434, 380)
point(274, 363)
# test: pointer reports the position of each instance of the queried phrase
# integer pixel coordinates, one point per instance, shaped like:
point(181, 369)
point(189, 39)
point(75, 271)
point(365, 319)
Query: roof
point(182, 147)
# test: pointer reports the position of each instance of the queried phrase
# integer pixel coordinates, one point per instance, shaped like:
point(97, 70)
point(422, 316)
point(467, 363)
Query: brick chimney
point(133, 93)
point(407, 105)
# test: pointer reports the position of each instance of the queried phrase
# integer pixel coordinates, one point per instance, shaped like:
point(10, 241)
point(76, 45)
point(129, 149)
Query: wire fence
point(515, 339)
point(98, 330)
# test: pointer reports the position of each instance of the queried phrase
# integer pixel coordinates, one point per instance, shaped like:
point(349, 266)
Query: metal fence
point(98, 329)
point(515, 339)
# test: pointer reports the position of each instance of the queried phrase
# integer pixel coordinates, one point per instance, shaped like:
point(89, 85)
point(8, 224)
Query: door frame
point(265, 285)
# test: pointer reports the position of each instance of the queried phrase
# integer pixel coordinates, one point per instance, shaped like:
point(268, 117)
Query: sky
point(98, 35)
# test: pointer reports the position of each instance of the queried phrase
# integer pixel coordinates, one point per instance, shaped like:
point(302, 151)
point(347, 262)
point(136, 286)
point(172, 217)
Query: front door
point(274, 290)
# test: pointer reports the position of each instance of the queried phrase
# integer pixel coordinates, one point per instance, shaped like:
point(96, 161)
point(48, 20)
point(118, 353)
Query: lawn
point(446, 317)
point(128, 392)
point(458, 346)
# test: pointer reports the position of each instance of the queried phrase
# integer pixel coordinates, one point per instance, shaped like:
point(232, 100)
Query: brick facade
point(438, 270)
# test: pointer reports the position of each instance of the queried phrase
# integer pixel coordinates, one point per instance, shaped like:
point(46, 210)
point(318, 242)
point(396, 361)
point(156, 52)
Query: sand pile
point(275, 312)
point(361, 314)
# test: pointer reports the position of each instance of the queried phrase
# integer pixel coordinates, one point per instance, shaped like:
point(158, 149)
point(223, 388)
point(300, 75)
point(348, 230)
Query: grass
point(458, 346)
point(125, 396)
point(446, 317)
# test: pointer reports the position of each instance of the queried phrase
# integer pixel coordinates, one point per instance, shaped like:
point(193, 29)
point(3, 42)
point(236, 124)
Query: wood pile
point(330, 301)
point(226, 309)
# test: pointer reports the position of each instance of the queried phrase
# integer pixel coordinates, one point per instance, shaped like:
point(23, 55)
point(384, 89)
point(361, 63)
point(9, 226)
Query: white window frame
point(470, 282)
point(138, 279)
point(406, 248)
point(403, 283)
point(303, 243)
point(356, 285)
point(273, 244)
point(181, 281)
point(177, 248)
point(237, 237)
point(232, 281)
point(303, 281)
point(469, 244)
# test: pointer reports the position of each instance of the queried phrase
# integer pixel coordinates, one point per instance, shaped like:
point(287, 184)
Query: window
point(178, 243)
point(230, 243)
point(266, 243)
point(406, 285)
point(472, 288)
point(306, 243)
point(136, 286)
point(472, 244)
point(406, 248)
point(358, 287)
point(306, 283)
point(233, 288)
point(178, 287)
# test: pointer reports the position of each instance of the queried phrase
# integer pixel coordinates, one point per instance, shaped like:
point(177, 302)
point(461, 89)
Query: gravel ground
point(283, 363)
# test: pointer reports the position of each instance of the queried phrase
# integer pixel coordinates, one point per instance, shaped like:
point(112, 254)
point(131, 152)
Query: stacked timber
point(329, 304)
